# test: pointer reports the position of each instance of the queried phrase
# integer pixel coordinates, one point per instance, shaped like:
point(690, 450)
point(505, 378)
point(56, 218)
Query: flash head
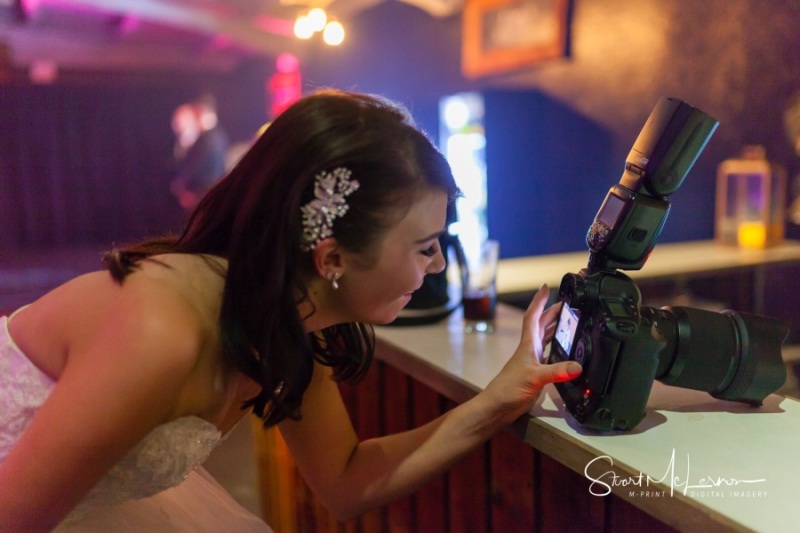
point(632, 216)
point(667, 148)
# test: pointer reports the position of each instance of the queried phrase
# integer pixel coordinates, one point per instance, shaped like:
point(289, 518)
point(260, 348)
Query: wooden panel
point(396, 418)
point(277, 478)
point(512, 484)
point(366, 410)
point(468, 486)
point(563, 499)
point(350, 397)
point(624, 516)
point(367, 414)
point(431, 500)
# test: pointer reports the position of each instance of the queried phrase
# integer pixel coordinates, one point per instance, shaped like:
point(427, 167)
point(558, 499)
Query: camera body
point(601, 328)
point(624, 346)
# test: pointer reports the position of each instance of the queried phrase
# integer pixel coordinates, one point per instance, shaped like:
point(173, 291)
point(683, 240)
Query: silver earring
point(333, 277)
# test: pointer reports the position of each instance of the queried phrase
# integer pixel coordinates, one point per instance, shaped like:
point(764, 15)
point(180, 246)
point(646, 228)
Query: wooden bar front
point(504, 486)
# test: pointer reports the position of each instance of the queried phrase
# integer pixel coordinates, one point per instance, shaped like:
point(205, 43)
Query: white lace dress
point(158, 487)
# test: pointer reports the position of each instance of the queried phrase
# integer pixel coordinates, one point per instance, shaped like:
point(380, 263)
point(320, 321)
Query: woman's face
point(410, 249)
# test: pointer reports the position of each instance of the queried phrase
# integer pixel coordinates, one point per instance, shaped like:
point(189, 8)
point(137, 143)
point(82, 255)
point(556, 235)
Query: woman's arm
point(351, 477)
point(122, 377)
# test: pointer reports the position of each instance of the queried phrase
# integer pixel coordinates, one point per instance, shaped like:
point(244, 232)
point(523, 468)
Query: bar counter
point(668, 260)
point(694, 462)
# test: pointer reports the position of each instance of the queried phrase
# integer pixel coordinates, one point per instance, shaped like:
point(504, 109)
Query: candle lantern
point(750, 204)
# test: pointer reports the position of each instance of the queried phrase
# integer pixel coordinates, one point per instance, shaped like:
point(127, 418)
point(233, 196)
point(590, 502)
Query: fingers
point(550, 329)
point(530, 322)
point(539, 301)
point(539, 326)
point(538, 323)
point(557, 372)
point(536, 307)
point(552, 313)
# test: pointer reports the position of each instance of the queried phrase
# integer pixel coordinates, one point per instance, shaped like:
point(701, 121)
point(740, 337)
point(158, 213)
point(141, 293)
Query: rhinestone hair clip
point(330, 191)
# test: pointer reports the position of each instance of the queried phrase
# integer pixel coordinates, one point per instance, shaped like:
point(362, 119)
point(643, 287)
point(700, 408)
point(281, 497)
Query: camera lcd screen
point(566, 328)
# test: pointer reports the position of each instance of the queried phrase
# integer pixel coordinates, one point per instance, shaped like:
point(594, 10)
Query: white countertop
point(728, 466)
point(525, 274)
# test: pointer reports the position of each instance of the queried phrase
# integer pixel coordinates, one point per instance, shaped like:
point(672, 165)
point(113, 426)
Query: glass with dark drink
point(480, 294)
point(479, 311)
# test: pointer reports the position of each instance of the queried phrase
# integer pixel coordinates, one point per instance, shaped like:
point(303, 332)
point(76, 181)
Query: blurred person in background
point(200, 152)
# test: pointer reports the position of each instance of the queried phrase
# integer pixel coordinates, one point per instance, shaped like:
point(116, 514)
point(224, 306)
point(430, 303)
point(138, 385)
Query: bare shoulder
point(163, 315)
point(171, 303)
point(177, 291)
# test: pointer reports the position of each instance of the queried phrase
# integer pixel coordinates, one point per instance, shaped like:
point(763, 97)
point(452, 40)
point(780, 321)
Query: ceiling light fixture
point(316, 20)
point(303, 28)
point(333, 34)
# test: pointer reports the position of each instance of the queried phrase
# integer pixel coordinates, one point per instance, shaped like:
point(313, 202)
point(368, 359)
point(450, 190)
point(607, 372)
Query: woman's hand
point(514, 390)
point(351, 477)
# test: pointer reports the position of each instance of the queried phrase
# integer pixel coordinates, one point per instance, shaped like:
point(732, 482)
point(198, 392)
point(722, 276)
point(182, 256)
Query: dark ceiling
point(194, 35)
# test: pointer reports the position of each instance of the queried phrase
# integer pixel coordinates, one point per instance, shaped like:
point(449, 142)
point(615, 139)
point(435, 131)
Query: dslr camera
point(624, 346)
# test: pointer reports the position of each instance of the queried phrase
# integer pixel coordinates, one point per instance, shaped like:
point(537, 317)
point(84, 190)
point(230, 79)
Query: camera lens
point(733, 356)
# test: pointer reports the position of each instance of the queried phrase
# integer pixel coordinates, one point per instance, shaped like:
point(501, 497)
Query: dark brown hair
point(252, 218)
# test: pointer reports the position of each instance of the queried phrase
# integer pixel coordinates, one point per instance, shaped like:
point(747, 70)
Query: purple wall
point(84, 161)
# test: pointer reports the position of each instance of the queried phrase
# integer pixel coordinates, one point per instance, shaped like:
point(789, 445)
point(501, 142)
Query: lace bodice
point(163, 459)
point(23, 388)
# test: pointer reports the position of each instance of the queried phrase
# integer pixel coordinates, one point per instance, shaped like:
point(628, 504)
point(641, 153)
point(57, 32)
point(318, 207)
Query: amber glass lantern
point(750, 205)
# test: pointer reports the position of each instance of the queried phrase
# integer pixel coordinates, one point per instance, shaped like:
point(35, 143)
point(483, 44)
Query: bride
point(116, 386)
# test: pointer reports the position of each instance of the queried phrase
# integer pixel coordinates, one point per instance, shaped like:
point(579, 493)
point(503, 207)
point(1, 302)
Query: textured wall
point(738, 60)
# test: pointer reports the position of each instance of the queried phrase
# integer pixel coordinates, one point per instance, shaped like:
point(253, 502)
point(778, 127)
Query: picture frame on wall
point(504, 35)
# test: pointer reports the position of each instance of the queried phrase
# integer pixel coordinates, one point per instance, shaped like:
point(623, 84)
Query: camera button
point(637, 234)
point(626, 327)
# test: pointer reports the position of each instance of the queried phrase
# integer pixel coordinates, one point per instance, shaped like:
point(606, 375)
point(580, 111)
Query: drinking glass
point(480, 292)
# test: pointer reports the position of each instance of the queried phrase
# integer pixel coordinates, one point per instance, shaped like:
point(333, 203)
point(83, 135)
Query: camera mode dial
point(581, 351)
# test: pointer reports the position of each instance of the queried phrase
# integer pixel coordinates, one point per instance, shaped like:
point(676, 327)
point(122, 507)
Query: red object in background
point(285, 86)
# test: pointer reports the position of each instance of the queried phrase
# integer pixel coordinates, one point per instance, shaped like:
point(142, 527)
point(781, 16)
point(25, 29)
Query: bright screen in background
point(463, 142)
